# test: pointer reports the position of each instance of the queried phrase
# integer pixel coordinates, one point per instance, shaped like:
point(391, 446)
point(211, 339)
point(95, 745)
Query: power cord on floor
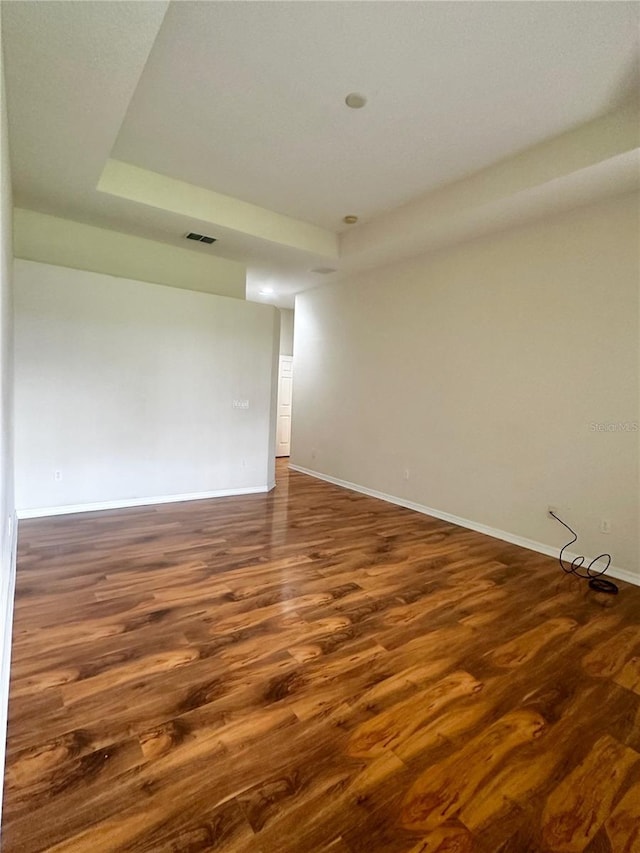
point(596, 581)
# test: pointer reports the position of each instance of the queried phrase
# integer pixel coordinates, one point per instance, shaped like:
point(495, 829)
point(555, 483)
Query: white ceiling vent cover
point(201, 238)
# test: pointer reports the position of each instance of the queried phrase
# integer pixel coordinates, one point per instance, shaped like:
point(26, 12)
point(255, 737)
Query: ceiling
point(238, 110)
point(247, 99)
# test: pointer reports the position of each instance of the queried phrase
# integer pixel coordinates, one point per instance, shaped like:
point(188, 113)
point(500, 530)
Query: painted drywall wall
point(127, 389)
point(490, 375)
point(53, 240)
point(7, 512)
point(286, 331)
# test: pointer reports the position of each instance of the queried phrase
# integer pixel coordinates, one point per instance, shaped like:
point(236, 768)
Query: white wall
point(286, 331)
point(480, 370)
point(7, 512)
point(126, 388)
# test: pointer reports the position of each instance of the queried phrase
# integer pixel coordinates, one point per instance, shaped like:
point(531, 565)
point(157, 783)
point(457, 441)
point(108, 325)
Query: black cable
point(596, 581)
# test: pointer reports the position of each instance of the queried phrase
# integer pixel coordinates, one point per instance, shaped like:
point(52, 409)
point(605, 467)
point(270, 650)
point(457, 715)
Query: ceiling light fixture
point(355, 101)
point(350, 219)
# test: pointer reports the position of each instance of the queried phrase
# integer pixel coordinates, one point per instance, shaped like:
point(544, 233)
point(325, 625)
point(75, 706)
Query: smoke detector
point(355, 100)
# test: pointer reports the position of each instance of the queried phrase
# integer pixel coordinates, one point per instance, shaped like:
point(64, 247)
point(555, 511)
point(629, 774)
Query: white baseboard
point(6, 629)
point(42, 512)
point(513, 538)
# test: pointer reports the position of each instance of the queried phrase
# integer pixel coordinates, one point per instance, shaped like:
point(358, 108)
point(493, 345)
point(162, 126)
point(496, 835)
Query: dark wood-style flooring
point(314, 670)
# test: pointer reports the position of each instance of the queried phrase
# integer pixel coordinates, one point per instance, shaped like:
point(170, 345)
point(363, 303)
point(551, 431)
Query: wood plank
point(313, 670)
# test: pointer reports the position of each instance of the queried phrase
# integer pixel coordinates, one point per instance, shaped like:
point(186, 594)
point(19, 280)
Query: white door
point(285, 384)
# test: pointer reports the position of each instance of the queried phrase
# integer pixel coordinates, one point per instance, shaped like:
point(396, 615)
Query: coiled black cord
point(596, 581)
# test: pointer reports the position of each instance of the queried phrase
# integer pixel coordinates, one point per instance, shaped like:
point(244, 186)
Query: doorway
point(285, 387)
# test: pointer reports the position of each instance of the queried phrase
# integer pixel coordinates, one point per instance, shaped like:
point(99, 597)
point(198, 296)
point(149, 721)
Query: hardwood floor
point(314, 670)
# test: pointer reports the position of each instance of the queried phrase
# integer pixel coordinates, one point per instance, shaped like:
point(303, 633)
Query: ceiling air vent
point(201, 238)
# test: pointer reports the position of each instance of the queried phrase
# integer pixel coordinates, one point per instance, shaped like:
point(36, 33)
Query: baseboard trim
point(5, 655)
point(127, 503)
point(505, 536)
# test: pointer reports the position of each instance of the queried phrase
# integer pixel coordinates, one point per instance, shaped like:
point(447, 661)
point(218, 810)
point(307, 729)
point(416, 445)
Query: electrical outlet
point(405, 474)
point(605, 526)
point(314, 453)
point(551, 508)
point(57, 475)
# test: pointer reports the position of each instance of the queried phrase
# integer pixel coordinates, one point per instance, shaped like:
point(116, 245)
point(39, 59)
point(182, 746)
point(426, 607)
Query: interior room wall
point(53, 240)
point(286, 331)
point(487, 381)
point(128, 391)
point(7, 511)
